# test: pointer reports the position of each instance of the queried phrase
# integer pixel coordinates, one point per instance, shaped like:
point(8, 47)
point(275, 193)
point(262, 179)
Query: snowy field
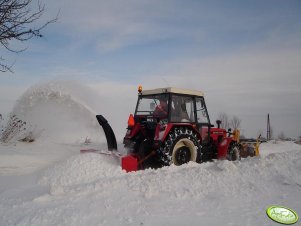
point(47, 182)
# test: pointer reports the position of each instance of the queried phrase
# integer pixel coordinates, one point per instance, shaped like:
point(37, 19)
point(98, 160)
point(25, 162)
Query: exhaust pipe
point(218, 122)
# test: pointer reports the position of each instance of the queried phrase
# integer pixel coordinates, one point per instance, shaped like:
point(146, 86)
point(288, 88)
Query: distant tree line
point(227, 122)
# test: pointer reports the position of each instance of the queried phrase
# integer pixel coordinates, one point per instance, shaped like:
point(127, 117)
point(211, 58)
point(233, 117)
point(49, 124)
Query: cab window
point(202, 116)
point(182, 109)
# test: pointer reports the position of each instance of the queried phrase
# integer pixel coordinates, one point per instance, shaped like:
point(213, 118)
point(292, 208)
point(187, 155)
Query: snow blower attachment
point(109, 133)
point(110, 137)
point(172, 126)
point(249, 147)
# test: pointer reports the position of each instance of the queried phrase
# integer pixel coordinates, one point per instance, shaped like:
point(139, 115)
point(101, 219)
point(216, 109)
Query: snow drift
point(91, 189)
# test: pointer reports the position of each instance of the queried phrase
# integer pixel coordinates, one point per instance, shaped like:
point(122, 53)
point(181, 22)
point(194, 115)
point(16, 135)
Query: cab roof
point(172, 90)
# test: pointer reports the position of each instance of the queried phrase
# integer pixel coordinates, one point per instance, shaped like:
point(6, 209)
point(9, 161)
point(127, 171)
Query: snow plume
point(56, 110)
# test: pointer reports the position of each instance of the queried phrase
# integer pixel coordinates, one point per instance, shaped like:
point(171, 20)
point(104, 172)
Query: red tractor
point(171, 126)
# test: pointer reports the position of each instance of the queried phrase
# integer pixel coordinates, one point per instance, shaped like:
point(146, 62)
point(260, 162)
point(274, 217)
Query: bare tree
point(17, 19)
point(235, 122)
point(225, 120)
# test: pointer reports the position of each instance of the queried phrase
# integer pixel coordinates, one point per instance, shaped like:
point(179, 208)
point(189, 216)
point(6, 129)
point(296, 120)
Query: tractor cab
point(172, 105)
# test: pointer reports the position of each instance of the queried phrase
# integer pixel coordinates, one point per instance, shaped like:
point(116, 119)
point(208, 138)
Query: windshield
point(151, 104)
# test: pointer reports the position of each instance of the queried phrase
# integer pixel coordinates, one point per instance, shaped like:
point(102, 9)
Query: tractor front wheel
point(181, 146)
point(233, 153)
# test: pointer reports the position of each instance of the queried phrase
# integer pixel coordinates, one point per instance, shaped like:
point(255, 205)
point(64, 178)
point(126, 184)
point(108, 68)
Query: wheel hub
point(183, 155)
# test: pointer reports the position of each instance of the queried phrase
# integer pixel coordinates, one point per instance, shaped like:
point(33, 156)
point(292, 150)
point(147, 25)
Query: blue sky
point(248, 52)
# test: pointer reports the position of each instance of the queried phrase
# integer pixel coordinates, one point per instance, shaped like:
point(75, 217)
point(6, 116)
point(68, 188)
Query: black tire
point(180, 147)
point(233, 153)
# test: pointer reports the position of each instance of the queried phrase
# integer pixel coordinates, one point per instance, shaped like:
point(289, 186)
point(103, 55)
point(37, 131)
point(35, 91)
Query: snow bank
point(276, 146)
point(197, 180)
point(79, 170)
point(91, 189)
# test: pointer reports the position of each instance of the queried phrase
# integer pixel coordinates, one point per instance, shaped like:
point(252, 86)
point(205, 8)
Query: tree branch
point(16, 18)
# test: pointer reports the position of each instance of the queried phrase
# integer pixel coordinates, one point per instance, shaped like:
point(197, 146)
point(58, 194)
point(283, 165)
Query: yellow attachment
point(257, 146)
point(236, 135)
point(247, 147)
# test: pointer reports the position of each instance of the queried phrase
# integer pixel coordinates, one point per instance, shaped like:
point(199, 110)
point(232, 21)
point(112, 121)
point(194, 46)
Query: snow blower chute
point(172, 126)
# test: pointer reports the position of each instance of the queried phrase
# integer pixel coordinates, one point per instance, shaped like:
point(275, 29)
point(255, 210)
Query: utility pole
point(268, 128)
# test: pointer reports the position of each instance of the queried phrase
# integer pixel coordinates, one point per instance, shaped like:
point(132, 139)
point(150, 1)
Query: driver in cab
point(161, 110)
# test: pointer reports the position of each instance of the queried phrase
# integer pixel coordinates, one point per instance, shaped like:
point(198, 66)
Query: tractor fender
point(132, 132)
point(170, 126)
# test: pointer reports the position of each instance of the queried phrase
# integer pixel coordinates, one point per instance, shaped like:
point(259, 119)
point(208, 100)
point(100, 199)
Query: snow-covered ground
point(47, 182)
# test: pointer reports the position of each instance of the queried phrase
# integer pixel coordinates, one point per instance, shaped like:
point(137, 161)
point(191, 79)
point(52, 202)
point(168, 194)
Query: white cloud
point(113, 25)
point(117, 24)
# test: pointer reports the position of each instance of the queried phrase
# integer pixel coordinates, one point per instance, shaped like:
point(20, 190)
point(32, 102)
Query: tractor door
point(203, 121)
point(182, 109)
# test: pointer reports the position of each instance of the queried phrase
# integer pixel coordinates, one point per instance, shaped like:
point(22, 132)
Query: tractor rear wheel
point(233, 153)
point(181, 146)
